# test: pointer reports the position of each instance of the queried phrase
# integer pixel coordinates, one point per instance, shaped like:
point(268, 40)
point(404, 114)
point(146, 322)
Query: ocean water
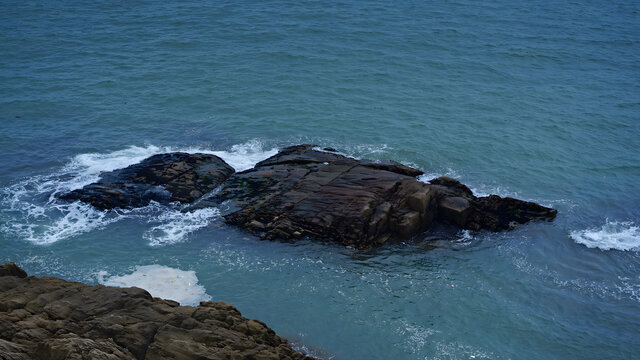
point(534, 99)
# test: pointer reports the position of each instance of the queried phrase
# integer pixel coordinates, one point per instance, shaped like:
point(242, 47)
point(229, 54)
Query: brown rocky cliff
point(50, 318)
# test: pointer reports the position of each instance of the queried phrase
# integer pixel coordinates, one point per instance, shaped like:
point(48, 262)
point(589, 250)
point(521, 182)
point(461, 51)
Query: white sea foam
point(630, 287)
point(618, 235)
point(87, 167)
point(464, 236)
point(479, 190)
point(163, 282)
point(624, 288)
point(176, 225)
point(432, 175)
point(245, 156)
point(416, 336)
point(78, 218)
point(357, 151)
point(455, 350)
point(35, 214)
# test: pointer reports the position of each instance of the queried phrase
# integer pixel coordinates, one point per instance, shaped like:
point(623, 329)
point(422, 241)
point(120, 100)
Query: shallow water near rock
point(532, 100)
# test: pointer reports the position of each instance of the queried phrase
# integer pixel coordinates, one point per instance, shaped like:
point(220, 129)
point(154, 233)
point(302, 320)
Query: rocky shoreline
point(304, 191)
point(51, 318)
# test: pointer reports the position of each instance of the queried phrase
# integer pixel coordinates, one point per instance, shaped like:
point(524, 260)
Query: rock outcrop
point(50, 318)
point(304, 192)
point(163, 178)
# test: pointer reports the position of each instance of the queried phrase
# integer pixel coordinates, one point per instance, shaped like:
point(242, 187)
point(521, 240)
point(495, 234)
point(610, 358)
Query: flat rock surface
point(163, 178)
point(50, 318)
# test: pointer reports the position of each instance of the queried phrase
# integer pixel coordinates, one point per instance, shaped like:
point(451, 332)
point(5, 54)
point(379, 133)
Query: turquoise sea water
point(534, 99)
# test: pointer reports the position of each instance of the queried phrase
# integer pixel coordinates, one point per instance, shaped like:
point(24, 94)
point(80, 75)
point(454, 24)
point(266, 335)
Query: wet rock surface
point(458, 205)
point(305, 192)
point(163, 178)
point(50, 318)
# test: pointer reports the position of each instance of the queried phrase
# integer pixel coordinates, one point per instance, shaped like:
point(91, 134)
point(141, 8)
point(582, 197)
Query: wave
point(617, 235)
point(73, 219)
point(34, 213)
point(175, 225)
point(161, 281)
point(478, 190)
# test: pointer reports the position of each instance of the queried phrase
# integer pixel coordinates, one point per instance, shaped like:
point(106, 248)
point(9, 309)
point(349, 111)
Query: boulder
point(50, 318)
point(163, 178)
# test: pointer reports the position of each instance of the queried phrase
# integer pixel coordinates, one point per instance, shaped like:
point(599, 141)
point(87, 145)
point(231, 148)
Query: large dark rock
point(50, 318)
point(305, 192)
point(163, 178)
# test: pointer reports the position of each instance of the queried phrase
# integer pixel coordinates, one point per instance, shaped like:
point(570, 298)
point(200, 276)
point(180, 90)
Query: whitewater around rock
point(303, 191)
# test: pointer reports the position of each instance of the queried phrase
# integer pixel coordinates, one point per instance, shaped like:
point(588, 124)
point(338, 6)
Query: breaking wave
point(176, 225)
point(617, 235)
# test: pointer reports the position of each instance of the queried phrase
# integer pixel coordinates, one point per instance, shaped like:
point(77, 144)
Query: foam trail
point(358, 151)
point(163, 282)
point(416, 336)
point(630, 288)
point(618, 235)
point(177, 225)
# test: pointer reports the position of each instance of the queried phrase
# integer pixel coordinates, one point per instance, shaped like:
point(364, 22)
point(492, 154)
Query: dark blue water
point(538, 100)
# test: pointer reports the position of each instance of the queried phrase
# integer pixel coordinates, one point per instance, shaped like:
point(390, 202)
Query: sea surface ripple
point(534, 99)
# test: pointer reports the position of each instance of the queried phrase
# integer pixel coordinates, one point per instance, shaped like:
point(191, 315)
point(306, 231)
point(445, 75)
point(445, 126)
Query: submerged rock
point(50, 318)
point(304, 192)
point(163, 178)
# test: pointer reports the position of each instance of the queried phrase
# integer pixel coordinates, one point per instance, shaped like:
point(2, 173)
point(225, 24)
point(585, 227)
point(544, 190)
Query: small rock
point(11, 269)
point(257, 225)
